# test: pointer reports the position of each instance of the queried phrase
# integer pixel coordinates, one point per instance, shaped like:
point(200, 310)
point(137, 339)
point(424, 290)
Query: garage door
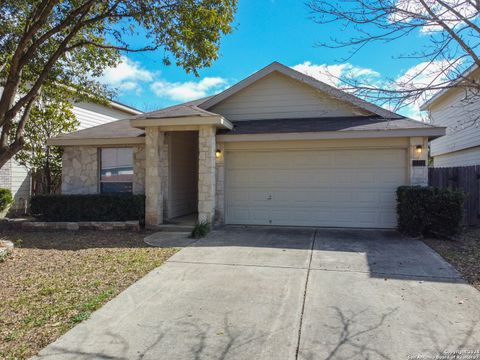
point(338, 188)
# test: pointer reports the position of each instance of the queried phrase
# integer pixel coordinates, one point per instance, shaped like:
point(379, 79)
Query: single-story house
point(16, 177)
point(458, 109)
point(277, 148)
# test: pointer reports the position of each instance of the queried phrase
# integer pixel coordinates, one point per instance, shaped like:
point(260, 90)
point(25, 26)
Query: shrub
point(6, 198)
point(429, 211)
point(201, 230)
point(95, 207)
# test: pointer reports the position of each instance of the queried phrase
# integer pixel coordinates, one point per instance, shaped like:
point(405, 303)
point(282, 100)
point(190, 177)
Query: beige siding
point(89, 114)
point(458, 158)
point(182, 199)
point(460, 117)
point(279, 97)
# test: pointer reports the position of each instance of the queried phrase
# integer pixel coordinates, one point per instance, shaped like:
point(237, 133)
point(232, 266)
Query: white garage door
point(338, 188)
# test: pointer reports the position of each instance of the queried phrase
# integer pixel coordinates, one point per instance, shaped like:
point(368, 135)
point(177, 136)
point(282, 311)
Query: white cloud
point(423, 75)
point(332, 74)
point(189, 90)
point(127, 76)
point(130, 77)
point(126, 70)
point(465, 8)
point(130, 86)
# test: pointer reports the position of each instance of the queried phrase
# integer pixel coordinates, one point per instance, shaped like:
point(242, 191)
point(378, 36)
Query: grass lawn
point(463, 253)
point(55, 280)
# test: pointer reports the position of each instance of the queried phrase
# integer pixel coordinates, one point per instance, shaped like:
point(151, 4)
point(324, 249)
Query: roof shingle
point(354, 123)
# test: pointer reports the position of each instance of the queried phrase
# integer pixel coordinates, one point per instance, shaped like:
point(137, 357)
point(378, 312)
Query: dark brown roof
point(357, 123)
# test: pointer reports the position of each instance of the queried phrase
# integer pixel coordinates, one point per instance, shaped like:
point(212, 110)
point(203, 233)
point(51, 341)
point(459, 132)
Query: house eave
point(125, 108)
point(431, 133)
point(96, 141)
point(217, 121)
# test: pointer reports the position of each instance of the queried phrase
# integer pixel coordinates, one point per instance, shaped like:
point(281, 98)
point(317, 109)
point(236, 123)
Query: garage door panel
point(345, 188)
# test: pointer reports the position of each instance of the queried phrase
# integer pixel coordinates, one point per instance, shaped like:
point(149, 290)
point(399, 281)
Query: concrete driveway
point(257, 293)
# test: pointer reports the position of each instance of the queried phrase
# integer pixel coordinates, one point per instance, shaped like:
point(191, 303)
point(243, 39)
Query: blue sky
point(264, 31)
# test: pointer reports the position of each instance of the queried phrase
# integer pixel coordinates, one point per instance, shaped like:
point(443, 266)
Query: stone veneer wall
point(206, 173)
point(139, 169)
point(156, 176)
point(80, 170)
point(164, 165)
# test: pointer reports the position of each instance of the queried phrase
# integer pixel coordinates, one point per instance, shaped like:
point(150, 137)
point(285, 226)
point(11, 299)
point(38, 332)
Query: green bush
point(429, 211)
point(95, 207)
point(6, 198)
point(201, 230)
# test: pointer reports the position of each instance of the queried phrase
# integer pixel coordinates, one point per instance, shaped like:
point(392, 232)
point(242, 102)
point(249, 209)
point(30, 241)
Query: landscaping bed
point(54, 280)
point(463, 253)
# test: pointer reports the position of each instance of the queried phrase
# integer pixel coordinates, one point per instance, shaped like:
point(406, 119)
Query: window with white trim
point(116, 170)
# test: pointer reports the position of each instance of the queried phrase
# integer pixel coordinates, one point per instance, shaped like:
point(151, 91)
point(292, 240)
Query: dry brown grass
point(55, 280)
point(463, 253)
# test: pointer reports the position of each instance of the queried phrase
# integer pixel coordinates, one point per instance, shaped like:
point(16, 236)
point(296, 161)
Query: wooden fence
point(466, 178)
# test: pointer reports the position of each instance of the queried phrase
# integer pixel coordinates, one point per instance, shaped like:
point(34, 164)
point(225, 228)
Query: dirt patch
point(54, 280)
point(463, 253)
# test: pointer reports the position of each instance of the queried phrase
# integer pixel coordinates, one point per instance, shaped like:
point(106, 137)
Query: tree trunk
point(7, 153)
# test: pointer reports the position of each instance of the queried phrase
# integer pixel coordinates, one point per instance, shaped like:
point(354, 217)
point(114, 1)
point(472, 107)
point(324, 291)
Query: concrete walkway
point(286, 294)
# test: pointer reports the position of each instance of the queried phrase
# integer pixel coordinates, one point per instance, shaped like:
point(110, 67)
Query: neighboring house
point(458, 110)
point(277, 148)
point(16, 177)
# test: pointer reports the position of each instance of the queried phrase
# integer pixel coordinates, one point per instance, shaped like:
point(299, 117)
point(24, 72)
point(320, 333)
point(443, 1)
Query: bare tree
point(452, 31)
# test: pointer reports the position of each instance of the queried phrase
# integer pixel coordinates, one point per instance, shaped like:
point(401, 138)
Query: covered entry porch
point(180, 167)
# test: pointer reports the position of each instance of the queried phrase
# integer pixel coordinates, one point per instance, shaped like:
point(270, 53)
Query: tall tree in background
point(48, 42)
point(50, 116)
point(451, 30)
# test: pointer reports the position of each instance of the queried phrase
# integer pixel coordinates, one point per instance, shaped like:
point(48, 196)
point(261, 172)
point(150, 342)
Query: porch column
point(206, 173)
point(154, 141)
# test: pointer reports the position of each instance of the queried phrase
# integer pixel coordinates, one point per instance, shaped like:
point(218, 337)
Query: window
point(116, 171)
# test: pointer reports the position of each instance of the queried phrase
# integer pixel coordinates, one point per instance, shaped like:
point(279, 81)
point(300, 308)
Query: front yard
point(55, 280)
point(463, 253)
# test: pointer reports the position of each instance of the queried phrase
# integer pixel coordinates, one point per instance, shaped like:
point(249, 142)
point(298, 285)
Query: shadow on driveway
point(380, 253)
point(274, 293)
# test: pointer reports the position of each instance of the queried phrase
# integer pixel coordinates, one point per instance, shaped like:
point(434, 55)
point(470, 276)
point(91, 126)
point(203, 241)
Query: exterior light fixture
point(218, 153)
point(418, 149)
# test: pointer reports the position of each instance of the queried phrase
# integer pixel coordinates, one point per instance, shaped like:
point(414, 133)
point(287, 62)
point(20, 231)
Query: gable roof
point(182, 110)
point(200, 107)
point(446, 90)
point(301, 77)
